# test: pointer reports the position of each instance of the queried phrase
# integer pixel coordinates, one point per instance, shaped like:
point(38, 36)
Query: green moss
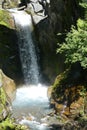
point(9, 124)
point(2, 96)
point(82, 120)
point(1, 110)
point(5, 18)
point(60, 80)
point(3, 101)
point(66, 82)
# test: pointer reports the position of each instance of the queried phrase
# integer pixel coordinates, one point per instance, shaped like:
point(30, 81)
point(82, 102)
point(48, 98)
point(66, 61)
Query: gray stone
point(37, 7)
point(36, 11)
point(37, 18)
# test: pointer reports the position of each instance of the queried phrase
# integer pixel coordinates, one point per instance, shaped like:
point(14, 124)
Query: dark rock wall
point(50, 62)
point(66, 11)
point(9, 52)
point(61, 15)
point(9, 55)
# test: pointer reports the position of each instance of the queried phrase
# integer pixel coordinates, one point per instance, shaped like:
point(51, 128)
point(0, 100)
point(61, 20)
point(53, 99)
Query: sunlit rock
point(7, 87)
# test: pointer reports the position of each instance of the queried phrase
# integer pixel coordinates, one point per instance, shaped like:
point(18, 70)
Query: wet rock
point(56, 127)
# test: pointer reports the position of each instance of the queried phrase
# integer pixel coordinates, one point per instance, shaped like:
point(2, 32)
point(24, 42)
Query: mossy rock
point(7, 88)
point(69, 93)
point(5, 18)
point(71, 77)
point(9, 124)
point(4, 108)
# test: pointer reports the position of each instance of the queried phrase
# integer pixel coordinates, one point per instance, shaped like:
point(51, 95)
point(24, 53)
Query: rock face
point(68, 95)
point(8, 85)
point(7, 88)
point(60, 14)
point(9, 51)
point(7, 91)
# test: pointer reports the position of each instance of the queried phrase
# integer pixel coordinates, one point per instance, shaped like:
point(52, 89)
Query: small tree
point(75, 45)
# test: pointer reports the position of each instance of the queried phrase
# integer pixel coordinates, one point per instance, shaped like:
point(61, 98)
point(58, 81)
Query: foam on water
point(32, 94)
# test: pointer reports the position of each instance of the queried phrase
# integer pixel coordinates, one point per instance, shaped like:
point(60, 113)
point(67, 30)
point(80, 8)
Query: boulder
point(7, 88)
point(9, 50)
point(8, 85)
point(68, 96)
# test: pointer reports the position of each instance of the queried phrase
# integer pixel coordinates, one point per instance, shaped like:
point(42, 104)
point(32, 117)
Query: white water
point(31, 99)
point(26, 47)
point(32, 102)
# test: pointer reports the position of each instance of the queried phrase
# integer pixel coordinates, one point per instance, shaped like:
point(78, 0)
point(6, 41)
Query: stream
point(31, 107)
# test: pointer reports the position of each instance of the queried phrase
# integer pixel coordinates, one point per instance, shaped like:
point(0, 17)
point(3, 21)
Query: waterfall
point(31, 98)
point(27, 50)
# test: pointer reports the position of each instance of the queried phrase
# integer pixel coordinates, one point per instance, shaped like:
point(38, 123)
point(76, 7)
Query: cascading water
point(26, 47)
point(31, 99)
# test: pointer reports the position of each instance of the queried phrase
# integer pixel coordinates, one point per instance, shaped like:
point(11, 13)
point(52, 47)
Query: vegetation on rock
point(68, 97)
point(5, 18)
point(75, 47)
point(9, 124)
point(6, 122)
point(5, 102)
